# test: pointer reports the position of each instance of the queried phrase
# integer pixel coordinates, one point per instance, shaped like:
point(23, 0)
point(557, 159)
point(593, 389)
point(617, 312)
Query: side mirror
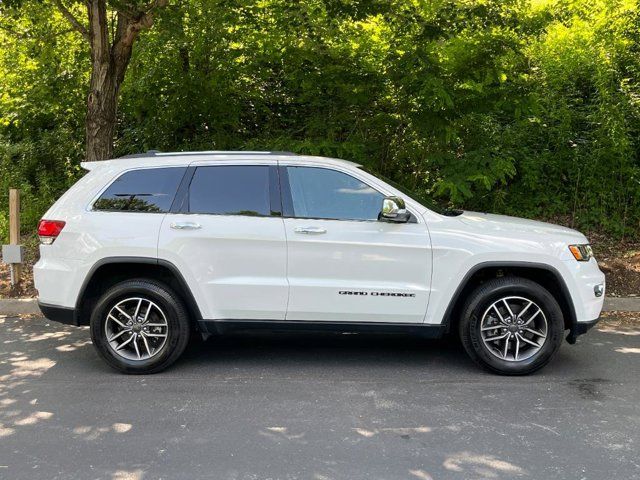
point(393, 210)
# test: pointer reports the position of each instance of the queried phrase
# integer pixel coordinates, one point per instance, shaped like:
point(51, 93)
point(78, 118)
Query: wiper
point(452, 212)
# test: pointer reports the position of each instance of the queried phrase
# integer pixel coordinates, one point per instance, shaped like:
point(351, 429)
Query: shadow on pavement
point(319, 406)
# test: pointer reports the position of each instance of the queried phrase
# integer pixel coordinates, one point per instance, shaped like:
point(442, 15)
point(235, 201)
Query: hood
point(504, 223)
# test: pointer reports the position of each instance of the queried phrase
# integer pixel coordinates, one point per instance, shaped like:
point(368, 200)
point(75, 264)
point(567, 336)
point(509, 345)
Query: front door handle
point(185, 225)
point(310, 230)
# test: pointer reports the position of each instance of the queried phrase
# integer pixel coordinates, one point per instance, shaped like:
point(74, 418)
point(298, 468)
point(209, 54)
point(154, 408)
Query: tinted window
point(230, 190)
point(147, 190)
point(323, 193)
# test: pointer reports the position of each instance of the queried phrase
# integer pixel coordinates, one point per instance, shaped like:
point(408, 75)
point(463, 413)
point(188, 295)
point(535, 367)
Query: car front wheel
point(511, 326)
point(140, 326)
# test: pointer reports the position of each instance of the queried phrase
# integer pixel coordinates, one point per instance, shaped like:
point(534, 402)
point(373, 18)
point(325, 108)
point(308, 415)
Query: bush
point(517, 107)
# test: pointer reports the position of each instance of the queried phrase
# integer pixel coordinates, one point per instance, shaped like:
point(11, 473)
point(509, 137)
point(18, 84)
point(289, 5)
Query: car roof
point(154, 158)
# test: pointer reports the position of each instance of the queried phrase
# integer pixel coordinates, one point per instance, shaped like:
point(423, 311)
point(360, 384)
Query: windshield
point(418, 196)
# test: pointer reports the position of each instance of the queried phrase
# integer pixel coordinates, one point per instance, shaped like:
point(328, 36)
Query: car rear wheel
point(511, 326)
point(140, 326)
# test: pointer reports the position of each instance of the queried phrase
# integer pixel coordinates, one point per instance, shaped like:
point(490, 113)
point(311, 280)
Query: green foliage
point(43, 72)
point(521, 107)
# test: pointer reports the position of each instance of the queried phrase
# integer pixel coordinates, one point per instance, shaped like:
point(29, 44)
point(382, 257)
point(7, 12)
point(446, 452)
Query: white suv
point(152, 248)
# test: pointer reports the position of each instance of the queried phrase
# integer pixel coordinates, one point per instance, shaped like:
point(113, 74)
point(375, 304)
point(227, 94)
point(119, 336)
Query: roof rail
point(148, 153)
point(157, 153)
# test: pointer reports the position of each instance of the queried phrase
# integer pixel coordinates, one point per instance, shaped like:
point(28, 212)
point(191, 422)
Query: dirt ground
point(619, 260)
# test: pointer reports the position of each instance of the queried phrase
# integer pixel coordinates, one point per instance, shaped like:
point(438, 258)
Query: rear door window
point(230, 190)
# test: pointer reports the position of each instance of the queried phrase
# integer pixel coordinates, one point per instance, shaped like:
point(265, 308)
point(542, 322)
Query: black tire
point(177, 319)
point(482, 299)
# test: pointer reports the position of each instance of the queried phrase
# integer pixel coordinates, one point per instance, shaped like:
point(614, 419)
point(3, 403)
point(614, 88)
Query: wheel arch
point(111, 270)
point(546, 275)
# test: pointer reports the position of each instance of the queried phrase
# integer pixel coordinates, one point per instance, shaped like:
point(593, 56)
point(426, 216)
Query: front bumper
point(583, 279)
point(587, 291)
point(580, 328)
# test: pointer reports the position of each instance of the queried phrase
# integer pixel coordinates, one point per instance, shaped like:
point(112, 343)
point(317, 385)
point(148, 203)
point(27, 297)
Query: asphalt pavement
point(316, 407)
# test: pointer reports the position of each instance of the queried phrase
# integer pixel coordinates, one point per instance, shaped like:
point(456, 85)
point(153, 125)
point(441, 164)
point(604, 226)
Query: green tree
point(520, 107)
point(110, 28)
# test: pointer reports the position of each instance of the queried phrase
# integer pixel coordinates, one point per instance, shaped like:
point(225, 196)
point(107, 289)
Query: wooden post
point(14, 230)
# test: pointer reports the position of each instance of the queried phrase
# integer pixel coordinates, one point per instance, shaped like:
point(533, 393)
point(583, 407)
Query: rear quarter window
point(147, 190)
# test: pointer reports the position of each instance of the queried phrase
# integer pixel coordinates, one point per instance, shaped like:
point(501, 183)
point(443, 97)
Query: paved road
point(315, 407)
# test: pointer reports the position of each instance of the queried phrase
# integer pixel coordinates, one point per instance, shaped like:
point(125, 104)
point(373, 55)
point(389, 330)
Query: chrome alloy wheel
point(514, 329)
point(136, 329)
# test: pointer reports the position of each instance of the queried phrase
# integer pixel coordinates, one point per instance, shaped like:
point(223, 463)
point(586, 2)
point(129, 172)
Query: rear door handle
point(310, 230)
point(185, 225)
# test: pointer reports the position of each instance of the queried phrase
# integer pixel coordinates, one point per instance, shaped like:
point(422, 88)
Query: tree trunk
point(101, 114)
point(109, 64)
point(102, 98)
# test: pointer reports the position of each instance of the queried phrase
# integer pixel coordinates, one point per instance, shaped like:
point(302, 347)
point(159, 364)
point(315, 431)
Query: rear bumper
point(58, 280)
point(59, 314)
point(580, 328)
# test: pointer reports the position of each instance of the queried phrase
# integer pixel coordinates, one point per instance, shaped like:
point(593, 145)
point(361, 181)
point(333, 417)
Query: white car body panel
point(464, 242)
point(258, 268)
point(351, 272)
point(235, 265)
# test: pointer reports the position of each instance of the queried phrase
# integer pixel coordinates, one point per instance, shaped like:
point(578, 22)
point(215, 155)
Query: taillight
point(48, 230)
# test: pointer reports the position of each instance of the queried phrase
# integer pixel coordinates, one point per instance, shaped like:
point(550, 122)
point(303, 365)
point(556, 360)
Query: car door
point(227, 239)
point(343, 264)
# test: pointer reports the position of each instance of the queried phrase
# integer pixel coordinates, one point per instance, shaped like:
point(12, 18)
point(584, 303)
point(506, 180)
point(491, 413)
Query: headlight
point(581, 253)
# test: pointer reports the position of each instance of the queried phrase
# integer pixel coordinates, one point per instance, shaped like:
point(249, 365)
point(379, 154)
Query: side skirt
point(220, 327)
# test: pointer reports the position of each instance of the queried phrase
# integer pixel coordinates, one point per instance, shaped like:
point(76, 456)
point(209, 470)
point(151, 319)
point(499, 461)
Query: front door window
point(328, 194)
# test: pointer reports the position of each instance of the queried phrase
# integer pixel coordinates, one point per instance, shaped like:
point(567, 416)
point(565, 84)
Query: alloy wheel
point(136, 329)
point(514, 328)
